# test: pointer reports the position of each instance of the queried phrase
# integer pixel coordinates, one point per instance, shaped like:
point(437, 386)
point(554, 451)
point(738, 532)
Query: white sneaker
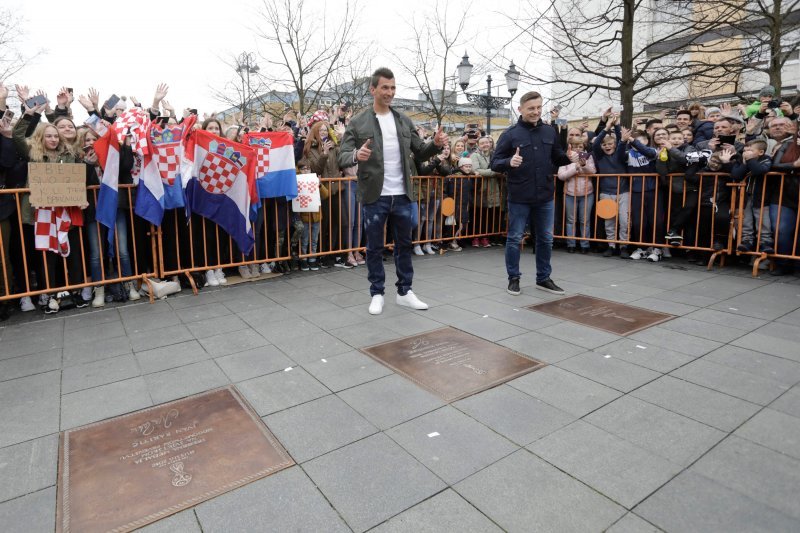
point(455, 247)
point(665, 253)
point(99, 296)
point(133, 294)
point(52, 306)
point(410, 299)
point(254, 271)
point(25, 304)
point(43, 299)
point(220, 275)
point(211, 279)
point(86, 293)
point(418, 250)
point(244, 271)
point(638, 254)
point(266, 268)
point(655, 255)
point(376, 305)
point(428, 249)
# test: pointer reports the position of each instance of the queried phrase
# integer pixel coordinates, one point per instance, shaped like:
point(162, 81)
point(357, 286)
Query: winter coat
point(575, 176)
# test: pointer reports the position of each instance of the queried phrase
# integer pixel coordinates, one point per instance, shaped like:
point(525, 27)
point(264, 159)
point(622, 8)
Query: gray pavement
point(691, 425)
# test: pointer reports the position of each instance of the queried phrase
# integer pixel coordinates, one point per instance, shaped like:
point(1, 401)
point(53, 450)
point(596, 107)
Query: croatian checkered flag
point(134, 122)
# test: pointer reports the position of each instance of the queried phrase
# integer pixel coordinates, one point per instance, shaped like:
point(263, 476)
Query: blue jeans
point(580, 208)
point(313, 229)
point(542, 216)
point(398, 209)
point(784, 231)
point(99, 242)
point(354, 235)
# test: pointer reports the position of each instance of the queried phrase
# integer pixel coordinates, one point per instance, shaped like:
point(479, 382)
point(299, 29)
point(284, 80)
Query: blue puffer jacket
point(532, 182)
point(704, 131)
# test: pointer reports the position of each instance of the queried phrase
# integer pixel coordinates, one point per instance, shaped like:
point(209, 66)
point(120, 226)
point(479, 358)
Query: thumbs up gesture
point(364, 152)
point(440, 139)
point(516, 159)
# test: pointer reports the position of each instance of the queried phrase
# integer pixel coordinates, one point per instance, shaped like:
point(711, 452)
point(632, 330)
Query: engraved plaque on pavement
point(126, 472)
point(613, 317)
point(451, 363)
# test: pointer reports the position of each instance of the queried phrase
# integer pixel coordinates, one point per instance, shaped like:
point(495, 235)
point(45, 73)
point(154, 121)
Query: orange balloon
point(607, 208)
point(448, 207)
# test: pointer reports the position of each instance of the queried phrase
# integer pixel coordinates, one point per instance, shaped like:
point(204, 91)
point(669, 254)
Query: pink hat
point(318, 116)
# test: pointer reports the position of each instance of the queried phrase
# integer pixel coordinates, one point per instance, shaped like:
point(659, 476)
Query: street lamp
point(245, 65)
point(487, 101)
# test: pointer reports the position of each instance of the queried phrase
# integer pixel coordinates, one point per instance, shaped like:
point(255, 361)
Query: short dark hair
point(683, 112)
point(382, 72)
point(653, 121)
point(530, 95)
point(729, 120)
point(758, 144)
point(672, 128)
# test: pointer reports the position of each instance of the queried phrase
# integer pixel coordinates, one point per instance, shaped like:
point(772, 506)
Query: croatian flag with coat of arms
point(275, 171)
point(163, 180)
point(222, 184)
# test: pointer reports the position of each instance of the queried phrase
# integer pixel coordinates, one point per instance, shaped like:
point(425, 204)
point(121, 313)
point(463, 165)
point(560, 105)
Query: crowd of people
point(655, 170)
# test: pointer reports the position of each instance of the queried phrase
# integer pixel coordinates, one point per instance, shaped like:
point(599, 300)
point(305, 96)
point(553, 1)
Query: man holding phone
point(384, 143)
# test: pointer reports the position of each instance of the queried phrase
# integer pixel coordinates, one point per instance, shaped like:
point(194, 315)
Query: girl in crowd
point(428, 195)
point(215, 240)
point(578, 192)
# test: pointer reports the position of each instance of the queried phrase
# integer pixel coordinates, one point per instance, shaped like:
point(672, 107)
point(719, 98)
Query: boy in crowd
point(754, 165)
point(609, 158)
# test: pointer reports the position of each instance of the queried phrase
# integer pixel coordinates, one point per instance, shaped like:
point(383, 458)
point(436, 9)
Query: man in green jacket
point(385, 144)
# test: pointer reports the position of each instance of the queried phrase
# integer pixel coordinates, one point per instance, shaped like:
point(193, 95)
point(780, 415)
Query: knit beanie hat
point(318, 116)
point(710, 110)
point(464, 161)
point(766, 90)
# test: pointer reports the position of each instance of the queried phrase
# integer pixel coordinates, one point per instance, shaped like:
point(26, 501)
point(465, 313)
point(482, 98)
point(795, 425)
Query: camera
point(773, 104)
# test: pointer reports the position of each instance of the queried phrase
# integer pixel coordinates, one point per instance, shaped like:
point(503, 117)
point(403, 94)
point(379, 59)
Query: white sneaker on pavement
point(211, 279)
point(86, 293)
point(418, 250)
point(428, 249)
point(244, 271)
point(638, 254)
point(25, 304)
point(220, 275)
point(254, 271)
point(376, 305)
point(410, 299)
point(266, 268)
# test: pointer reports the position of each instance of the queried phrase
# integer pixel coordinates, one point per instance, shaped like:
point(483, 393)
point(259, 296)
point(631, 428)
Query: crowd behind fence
point(451, 209)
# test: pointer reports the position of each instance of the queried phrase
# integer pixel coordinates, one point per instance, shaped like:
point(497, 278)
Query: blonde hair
point(81, 140)
point(38, 153)
point(314, 136)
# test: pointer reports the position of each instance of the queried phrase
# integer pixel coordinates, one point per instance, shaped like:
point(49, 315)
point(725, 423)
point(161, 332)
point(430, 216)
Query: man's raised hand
point(364, 152)
point(516, 159)
point(441, 139)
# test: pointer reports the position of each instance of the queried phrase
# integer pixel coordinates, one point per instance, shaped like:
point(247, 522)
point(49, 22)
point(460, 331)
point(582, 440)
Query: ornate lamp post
point(245, 65)
point(487, 101)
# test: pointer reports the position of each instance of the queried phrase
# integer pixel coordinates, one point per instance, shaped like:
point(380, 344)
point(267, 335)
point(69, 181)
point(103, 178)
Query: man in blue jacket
point(529, 153)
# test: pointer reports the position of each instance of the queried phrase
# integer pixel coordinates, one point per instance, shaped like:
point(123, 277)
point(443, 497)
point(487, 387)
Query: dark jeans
point(396, 210)
point(542, 217)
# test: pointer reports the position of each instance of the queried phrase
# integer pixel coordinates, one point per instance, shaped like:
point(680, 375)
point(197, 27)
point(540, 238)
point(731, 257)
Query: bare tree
point(305, 48)
point(630, 50)
point(431, 53)
point(350, 84)
point(12, 59)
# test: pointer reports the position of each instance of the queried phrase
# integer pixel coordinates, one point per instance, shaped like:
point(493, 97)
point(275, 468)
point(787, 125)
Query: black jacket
point(532, 182)
point(790, 181)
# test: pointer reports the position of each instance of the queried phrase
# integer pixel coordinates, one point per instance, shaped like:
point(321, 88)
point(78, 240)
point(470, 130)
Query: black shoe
point(304, 265)
point(313, 265)
point(339, 263)
point(549, 286)
point(608, 252)
point(745, 247)
point(513, 287)
point(570, 249)
point(624, 253)
point(80, 303)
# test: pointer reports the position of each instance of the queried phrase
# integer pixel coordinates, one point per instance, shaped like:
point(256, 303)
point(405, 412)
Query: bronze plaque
point(125, 472)
point(452, 364)
point(602, 314)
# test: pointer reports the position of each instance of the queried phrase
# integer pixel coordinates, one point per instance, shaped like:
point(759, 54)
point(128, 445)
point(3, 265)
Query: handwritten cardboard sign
point(57, 184)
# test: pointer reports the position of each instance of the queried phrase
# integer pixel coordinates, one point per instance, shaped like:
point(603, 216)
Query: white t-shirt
point(393, 182)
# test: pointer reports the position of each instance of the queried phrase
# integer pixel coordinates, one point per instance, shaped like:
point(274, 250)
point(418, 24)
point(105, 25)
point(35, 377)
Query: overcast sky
point(118, 50)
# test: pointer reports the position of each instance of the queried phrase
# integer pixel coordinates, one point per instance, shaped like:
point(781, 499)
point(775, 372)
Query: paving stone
point(450, 314)
point(339, 319)
point(696, 300)
point(757, 363)
point(232, 342)
point(184, 381)
point(281, 390)
point(285, 329)
point(141, 324)
point(489, 328)
point(523, 493)
point(389, 401)
point(725, 379)
point(249, 302)
point(692, 502)
point(284, 501)
point(514, 414)
point(371, 480)
point(40, 327)
point(31, 345)
point(202, 312)
point(775, 430)
point(768, 302)
point(766, 476)
point(160, 337)
point(630, 523)
point(461, 448)
point(447, 511)
point(578, 334)
point(253, 363)
point(89, 352)
point(665, 306)
point(172, 356)
point(30, 407)
point(646, 354)
point(408, 324)
point(698, 328)
point(105, 401)
point(308, 306)
point(34, 512)
point(215, 326)
point(94, 333)
point(564, 390)
point(617, 469)
point(28, 467)
point(542, 347)
point(365, 336)
point(713, 408)
point(75, 378)
point(789, 403)
point(680, 342)
point(260, 319)
point(183, 522)
point(609, 371)
point(318, 427)
point(346, 370)
point(773, 339)
point(28, 365)
point(312, 346)
point(670, 435)
point(730, 320)
point(91, 318)
point(518, 316)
